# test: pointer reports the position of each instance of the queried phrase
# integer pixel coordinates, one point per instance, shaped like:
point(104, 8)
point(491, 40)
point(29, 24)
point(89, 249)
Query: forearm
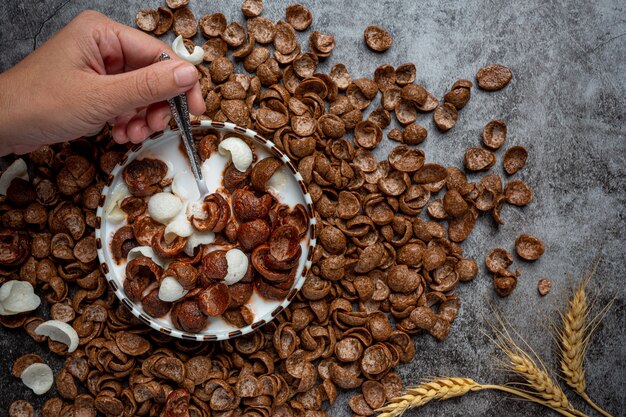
point(8, 116)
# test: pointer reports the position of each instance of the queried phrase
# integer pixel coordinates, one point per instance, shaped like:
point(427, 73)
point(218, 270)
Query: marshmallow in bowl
point(196, 209)
point(17, 169)
point(197, 239)
point(163, 207)
point(112, 210)
point(239, 152)
point(171, 290)
point(278, 182)
point(195, 57)
point(147, 251)
point(180, 226)
point(237, 262)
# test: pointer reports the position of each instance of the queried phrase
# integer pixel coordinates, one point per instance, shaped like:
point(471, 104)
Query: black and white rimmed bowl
point(265, 310)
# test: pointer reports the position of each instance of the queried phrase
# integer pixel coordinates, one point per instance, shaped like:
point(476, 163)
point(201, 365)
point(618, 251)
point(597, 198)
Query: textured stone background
point(565, 103)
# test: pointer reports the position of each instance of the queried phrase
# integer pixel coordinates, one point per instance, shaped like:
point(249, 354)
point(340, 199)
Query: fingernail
point(185, 75)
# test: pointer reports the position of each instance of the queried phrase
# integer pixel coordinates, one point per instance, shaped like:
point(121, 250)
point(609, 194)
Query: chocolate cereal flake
point(212, 25)
point(234, 34)
point(147, 20)
point(405, 74)
point(185, 23)
point(414, 134)
point(405, 112)
point(321, 44)
point(459, 94)
point(298, 16)
point(504, 284)
point(175, 4)
point(21, 408)
point(445, 117)
point(518, 193)
point(529, 247)
point(479, 159)
point(262, 29)
point(498, 259)
point(494, 134)
point(493, 77)
point(166, 19)
point(514, 159)
point(544, 285)
point(252, 8)
point(377, 39)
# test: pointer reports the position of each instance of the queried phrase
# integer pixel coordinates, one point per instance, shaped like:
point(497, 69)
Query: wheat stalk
point(538, 381)
point(574, 336)
point(437, 389)
point(446, 388)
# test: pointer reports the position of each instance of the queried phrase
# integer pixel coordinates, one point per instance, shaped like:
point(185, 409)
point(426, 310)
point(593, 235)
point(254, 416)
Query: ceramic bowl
point(218, 329)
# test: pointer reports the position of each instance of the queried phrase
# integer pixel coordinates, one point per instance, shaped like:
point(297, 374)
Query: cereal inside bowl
point(217, 265)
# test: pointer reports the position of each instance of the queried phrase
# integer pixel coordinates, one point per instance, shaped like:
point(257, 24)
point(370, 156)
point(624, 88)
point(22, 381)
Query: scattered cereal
point(493, 77)
point(514, 159)
point(377, 39)
point(494, 134)
point(544, 285)
point(529, 247)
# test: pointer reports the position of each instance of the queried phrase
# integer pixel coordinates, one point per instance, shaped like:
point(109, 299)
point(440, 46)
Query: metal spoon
point(180, 111)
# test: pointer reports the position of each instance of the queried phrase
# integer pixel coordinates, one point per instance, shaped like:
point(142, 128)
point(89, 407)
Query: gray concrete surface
point(566, 104)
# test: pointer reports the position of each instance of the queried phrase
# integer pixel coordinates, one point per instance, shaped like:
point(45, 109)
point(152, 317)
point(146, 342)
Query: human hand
point(93, 71)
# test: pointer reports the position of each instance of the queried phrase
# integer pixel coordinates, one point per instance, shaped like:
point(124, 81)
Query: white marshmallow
point(239, 151)
point(163, 207)
point(211, 168)
point(237, 262)
point(38, 377)
point(59, 332)
point(196, 209)
point(148, 252)
point(112, 210)
point(17, 169)
point(180, 226)
point(171, 290)
point(278, 182)
point(196, 239)
point(196, 57)
point(5, 289)
point(17, 297)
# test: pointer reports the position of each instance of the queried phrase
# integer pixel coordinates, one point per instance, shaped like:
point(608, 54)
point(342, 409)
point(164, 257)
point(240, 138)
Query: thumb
point(157, 82)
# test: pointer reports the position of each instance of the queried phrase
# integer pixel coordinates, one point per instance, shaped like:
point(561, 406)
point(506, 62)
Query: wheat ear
point(437, 389)
point(446, 388)
point(538, 382)
point(574, 335)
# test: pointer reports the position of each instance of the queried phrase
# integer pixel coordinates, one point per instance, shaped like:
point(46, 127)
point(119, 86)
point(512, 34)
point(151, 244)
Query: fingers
point(151, 84)
point(119, 127)
point(135, 127)
point(135, 79)
point(124, 47)
point(195, 101)
point(138, 48)
point(158, 116)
